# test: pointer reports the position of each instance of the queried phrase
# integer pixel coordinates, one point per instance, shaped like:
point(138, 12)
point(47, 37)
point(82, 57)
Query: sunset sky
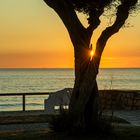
point(33, 36)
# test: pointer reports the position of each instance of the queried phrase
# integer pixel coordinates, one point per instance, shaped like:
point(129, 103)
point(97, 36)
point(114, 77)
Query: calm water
point(50, 80)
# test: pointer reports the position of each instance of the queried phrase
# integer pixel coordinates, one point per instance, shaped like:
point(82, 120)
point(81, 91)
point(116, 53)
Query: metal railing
point(133, 100)
point(23, 95)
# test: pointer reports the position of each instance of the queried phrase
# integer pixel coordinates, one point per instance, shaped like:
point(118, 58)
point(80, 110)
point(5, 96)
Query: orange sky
point(33, 36)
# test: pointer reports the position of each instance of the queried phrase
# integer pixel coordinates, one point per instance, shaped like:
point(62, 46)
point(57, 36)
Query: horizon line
point(70, 68)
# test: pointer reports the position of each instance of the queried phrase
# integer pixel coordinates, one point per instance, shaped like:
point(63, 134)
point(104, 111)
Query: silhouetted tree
point(84, 103)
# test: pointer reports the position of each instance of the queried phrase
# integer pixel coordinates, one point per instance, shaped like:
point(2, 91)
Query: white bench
point(57, 99)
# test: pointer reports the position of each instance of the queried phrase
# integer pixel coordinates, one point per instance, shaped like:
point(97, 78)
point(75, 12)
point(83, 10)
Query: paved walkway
point(23, 127)
point(131, 116)
point(22, 113)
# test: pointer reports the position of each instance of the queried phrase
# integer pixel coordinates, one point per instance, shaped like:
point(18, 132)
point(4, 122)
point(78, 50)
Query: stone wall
point(115, 99)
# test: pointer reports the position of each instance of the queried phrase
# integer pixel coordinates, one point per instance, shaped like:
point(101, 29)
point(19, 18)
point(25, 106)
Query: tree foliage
point(95, 8)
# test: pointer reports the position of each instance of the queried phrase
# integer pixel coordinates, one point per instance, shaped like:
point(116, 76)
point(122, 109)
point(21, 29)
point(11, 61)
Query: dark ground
point(120, 133)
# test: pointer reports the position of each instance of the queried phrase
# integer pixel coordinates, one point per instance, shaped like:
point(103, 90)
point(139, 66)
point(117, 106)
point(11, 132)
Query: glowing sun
point(91, 53)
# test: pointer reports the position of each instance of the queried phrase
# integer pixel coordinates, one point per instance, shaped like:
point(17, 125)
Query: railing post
point(23, 96)
point(23, 102)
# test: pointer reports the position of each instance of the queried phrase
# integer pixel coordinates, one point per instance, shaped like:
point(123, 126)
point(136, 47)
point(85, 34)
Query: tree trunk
point(84, 103)
point(83, 106)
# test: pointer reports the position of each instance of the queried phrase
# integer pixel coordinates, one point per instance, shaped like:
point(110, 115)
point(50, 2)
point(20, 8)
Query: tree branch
point(121, 16)
point(94, 20)
point(65, 10)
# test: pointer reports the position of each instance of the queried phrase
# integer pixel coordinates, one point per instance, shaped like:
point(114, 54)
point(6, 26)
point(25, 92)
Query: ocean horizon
point(32, 80)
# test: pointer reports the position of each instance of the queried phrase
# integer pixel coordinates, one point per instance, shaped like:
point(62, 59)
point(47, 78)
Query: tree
point(84, 103)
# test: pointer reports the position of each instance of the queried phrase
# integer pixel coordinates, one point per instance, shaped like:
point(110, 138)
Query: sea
point(51, 80)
